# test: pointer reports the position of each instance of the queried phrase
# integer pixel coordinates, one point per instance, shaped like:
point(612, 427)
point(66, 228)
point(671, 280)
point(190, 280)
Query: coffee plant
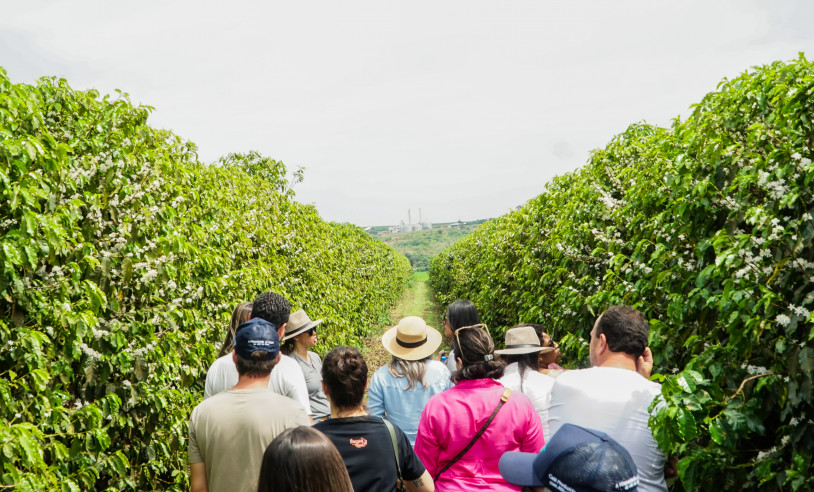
point(122, 258)
point(707, 228)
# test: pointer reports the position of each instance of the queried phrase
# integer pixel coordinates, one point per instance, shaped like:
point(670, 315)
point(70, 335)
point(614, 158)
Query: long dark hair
point(303, 459)
point(344, 372)
point(240, 315)
point(462, 313)
point(476, 350)
point(525, 362)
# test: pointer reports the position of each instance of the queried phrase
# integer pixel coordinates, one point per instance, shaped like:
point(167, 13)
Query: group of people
point(277, 418)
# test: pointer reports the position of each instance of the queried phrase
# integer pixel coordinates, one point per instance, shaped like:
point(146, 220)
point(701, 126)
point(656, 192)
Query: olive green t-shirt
point(230, 431)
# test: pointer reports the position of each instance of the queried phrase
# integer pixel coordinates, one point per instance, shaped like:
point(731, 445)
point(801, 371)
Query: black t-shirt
point(365, 445)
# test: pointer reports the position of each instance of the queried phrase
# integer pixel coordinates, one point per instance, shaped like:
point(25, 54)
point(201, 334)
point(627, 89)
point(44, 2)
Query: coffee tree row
point(707, 228)
point(122, 257)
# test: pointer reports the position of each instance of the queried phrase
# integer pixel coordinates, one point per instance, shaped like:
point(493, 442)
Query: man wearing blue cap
point(576, 459)
point(229, 432)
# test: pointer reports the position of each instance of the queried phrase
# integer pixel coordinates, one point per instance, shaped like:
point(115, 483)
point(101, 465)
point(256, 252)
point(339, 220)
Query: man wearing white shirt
point(615, 394)
point(286, 377)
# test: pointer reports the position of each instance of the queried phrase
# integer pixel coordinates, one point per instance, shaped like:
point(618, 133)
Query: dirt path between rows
point(418, 300)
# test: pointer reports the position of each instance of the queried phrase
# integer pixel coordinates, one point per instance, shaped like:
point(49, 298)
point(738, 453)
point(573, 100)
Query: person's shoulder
point(381, 371)
point(437, 399)
point(287, 363)
point(538, 376)
point(221, 363)
point(436, 366)
point(214, 401)
point(280, 404)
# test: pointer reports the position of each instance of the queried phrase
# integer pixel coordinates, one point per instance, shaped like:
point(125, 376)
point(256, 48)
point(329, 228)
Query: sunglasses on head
point(479, 326)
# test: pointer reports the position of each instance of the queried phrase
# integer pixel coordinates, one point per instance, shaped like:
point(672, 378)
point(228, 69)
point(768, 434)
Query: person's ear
point(603, 343)
point(325, 390)
point(459, 363)
point(281, 331)
point(234, 356)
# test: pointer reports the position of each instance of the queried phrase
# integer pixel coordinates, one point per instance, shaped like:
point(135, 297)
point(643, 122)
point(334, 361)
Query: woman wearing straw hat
point(521, 353)
point(300, 335)
point(400, 389)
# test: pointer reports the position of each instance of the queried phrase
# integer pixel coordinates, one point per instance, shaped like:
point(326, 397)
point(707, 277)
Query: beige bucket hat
point(298, 322)
point(522, 340)
point(411, 339)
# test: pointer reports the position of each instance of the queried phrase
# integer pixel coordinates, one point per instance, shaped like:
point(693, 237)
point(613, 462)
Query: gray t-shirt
point(615, 401)
point(230, 431)
point(312, 371)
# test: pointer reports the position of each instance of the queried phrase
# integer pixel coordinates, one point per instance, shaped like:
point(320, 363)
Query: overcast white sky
point(464, 109)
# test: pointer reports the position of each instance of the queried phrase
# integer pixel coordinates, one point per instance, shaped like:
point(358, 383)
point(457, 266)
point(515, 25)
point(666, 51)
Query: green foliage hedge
point(122, 257)
point(707, 228)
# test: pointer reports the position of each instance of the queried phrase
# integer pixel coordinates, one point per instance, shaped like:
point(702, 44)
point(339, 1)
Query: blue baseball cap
point(257, 334)
point(576, 459)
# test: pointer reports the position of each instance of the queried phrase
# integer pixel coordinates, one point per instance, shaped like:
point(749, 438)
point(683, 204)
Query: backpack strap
point(392, 431)
point(503, 399)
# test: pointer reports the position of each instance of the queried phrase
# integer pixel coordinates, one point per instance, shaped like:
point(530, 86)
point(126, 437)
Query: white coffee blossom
point(756, 370)
point(782, 319)
point(89, 351)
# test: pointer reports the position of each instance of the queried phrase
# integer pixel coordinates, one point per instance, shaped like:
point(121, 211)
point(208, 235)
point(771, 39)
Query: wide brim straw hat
point(411, 339)
point(522, 340)
point(298, 322)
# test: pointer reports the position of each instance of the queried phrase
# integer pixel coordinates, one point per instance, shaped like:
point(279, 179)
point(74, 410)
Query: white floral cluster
point(609, 202)
point(78, 404)
point(777, 189)
point(799, 311)
point(753, 262)
point(94, 355)
point(755, 370)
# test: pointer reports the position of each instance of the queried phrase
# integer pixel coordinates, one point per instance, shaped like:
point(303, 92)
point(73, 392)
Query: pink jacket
point(452, 418)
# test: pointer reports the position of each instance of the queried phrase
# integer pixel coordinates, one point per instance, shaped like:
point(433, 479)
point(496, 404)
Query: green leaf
point(69, 485)
point(686, 425)
point(40, 377)
point(716, 433)
point(12, 254)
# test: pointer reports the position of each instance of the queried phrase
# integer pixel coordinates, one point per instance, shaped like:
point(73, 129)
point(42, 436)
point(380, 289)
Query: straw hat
point(411, 339)
point(522, 340)
point(298, 322)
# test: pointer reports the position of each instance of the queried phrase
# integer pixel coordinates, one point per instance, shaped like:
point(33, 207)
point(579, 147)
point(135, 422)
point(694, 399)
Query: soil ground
point(418, 300)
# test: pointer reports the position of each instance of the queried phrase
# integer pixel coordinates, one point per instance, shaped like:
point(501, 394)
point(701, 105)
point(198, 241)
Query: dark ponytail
point(476, 350)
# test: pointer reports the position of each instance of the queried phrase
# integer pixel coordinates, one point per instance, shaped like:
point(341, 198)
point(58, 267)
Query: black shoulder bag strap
point(506, 394)
point(400, 484)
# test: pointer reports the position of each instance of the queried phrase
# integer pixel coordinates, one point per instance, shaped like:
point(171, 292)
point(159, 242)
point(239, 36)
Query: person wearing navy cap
point(229, 432)
point(576, 459)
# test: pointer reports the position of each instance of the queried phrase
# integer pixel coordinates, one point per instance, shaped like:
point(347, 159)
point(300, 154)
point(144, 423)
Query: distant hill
point(420, 246)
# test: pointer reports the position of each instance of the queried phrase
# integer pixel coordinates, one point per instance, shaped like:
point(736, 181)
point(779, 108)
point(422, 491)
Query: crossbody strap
point(392, 432)
point(505, 397)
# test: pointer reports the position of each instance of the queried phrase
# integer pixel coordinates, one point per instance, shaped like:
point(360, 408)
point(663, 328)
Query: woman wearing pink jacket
point(465, 430)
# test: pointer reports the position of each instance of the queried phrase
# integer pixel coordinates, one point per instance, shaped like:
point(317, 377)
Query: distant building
point(409, 226)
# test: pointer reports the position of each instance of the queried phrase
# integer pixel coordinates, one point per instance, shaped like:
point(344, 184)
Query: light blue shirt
point(386, 396)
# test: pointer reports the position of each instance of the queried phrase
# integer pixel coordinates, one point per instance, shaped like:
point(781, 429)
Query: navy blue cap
point(576, 459)
point(257, 334)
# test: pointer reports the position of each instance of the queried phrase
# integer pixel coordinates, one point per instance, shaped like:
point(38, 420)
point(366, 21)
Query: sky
point(462, 109)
